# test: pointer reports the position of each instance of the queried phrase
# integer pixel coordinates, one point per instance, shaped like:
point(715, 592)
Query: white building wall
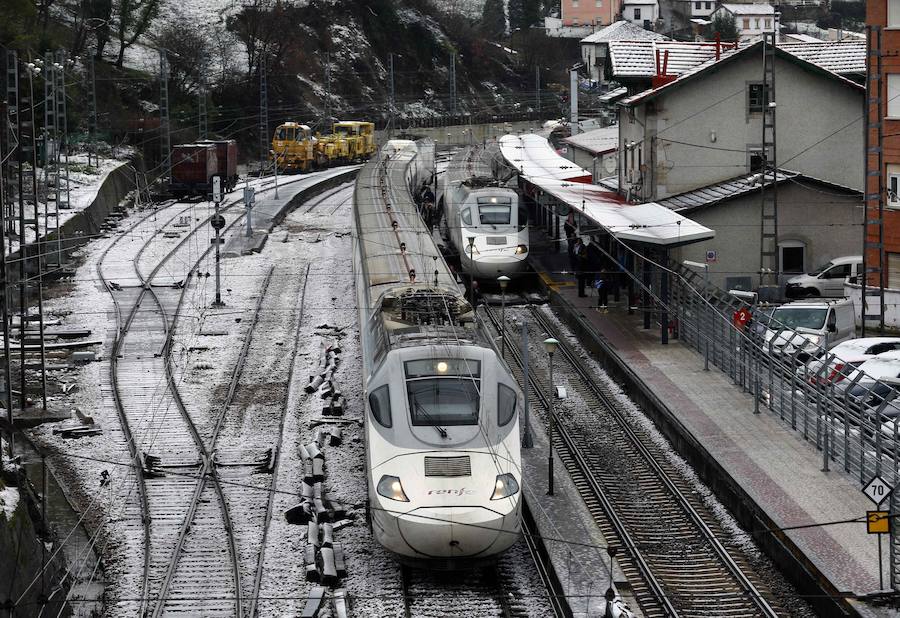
point(702, 132)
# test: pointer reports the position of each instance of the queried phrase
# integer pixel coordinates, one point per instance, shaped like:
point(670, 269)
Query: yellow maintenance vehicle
point(349, 141)
point(293, 147)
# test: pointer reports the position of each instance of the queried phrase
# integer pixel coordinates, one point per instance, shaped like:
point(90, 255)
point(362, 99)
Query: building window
point(599, 4)
point(757, 98)
point(893, 13)
point(793, 256)
point(893, 186)
point(746, 22)
point(697, 5)
point(768, 23)
point(637, 13)
point(574, 4)
point(709, 6)
point(893, 103)
point(755, 158)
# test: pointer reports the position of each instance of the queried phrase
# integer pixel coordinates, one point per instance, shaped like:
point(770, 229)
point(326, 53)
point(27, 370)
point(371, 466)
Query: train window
point(380, 402)
point(443, 401)
point(442, 367)
point(506, 404)
point(466, 216)
point(495, 214)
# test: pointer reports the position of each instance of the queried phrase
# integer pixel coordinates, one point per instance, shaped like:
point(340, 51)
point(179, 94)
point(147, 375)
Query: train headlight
point(390, 488)
point(505, 486)
point(521, 249)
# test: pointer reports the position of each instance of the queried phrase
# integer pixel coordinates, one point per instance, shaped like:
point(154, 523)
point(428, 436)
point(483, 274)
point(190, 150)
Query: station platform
point(757, 463)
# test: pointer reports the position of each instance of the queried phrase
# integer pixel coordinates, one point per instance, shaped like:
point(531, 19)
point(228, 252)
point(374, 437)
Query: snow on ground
point(9, 501)
point(84, 184)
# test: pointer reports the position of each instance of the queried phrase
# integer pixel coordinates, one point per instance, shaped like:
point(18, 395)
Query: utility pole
point(37, 241)
point(391, 102)
point(12, 135)
point(92, 111)
point(164, 137)
point(51, 139)
point(11, 87)
point(201, 103)
point(769, 270)
point(62, 127)
point(453, 82)
point(537, 87)
point(573, 100)
point(263, 114)
point(328, 88)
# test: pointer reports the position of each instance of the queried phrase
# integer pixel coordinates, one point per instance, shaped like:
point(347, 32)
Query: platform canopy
point(548, 173)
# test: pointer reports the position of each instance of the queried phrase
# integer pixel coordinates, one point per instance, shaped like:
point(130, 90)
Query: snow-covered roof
point(755, 8)
point(550, 173)
point(640, 2)
point(795, 37)
point(534, 158)
point(597, 141)
point(736, 187)
point(841, 57)
point(720, 191)
point(728, 56)
point(638, 58)
point(613, 95)
point(623, 30)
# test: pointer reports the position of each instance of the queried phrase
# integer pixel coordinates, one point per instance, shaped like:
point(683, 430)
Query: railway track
point(183, 516)
point(674, 552)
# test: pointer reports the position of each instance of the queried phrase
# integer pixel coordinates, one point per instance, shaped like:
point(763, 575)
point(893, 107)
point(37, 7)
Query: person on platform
point(570, 229)
point(581, 265)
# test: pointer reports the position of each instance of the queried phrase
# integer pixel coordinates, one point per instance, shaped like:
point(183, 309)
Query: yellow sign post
point(878, 522)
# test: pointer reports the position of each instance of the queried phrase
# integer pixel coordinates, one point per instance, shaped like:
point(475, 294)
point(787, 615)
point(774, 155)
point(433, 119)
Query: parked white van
point(817, 323)
point(827, 280)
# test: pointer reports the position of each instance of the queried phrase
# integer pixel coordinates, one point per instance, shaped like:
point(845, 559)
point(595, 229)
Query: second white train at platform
point(484, 220)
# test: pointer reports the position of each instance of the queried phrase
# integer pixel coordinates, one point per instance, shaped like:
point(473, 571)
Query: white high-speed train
point(442, 431)
point(485, 221)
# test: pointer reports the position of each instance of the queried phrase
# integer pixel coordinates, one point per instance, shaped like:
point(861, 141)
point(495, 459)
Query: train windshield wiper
point(430, 419)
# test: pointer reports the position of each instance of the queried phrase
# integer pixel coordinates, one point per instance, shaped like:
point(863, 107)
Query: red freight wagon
point(193, 167)
point(226, 155)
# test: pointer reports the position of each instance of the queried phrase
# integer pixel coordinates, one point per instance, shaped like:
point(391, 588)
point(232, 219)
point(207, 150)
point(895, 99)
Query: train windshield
point(284, 133)
point(443, 391)
point(494, 210)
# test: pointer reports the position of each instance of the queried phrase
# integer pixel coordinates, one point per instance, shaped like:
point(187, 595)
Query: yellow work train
point(297, 150)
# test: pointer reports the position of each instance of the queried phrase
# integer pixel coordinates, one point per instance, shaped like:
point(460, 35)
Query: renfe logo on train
point(451, 492)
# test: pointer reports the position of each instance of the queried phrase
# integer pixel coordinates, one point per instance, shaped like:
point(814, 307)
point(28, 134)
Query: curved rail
point(726, 565)
point(120, 410)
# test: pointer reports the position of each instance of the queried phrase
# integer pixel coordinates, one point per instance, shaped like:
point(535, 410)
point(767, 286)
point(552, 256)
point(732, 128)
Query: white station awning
point(548, 172)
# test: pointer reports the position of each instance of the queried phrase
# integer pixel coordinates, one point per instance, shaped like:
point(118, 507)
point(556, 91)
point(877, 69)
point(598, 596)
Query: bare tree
point(134, 19)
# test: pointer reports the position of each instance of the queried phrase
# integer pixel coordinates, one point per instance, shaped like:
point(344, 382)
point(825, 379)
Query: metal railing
point(849, 417)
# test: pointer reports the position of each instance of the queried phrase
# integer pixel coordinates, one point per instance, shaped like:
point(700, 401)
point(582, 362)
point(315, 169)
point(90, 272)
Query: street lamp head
point(550, 345)
point(503, 280)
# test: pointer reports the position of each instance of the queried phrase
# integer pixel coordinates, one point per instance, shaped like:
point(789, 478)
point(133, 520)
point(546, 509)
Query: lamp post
point(503, 280)
point(471, 240)
point(550, 345)
point(705, 267)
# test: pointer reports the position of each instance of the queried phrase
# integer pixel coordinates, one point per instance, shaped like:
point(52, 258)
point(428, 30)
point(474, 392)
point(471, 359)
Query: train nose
point(442, 532)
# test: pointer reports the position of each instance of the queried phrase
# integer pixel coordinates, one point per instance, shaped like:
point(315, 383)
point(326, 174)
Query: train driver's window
point(466, 216)
point(506, 404)
point(523, 217)
point(495, 214)
point(380, 402)
point(281, 134)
